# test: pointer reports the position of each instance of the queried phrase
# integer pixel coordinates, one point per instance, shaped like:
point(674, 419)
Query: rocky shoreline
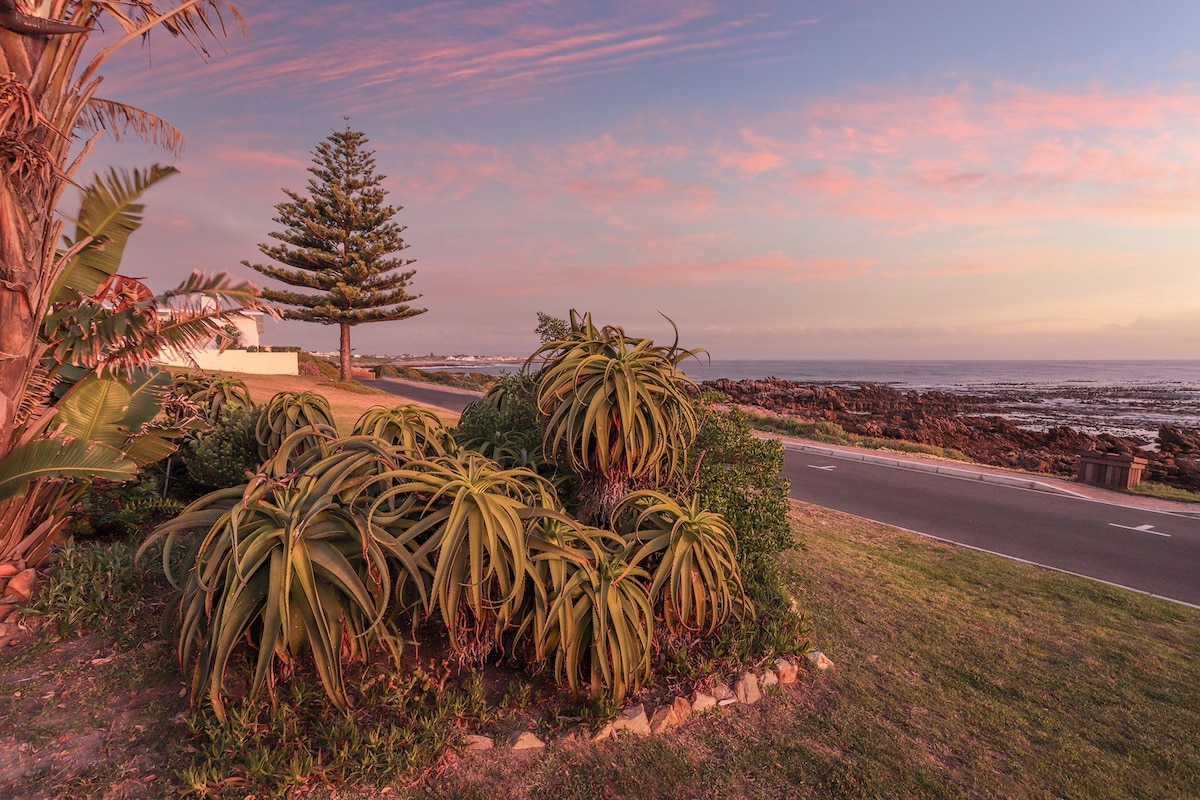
point(972, 424)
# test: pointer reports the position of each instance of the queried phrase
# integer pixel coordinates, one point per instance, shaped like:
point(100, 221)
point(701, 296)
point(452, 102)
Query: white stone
point(746, 689)
point(475, 742)
point(526, 740)
point(818, 658)
point(786, 670)
point(768, 678)
point(633, 720)
point(605, 733)
point(683, 709)
point(702, 702)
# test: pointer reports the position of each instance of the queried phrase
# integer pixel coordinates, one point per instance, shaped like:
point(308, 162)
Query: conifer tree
point(340, 241)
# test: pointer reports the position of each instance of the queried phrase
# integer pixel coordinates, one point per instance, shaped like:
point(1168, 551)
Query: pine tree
point(341, 241)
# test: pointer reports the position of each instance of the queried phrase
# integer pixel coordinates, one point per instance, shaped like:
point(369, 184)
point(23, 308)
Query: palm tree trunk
point(17, 334)
point(347, 372)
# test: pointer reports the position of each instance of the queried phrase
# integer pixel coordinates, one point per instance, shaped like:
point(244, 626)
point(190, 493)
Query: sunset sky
point(855, 179)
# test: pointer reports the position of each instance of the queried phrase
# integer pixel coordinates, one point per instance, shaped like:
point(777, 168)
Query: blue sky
point(783, 179)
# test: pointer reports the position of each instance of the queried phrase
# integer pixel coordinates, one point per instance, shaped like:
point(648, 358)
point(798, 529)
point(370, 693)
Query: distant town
point(428, 360)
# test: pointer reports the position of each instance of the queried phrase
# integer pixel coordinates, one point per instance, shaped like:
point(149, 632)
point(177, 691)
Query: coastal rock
point(1177, 440)
point(969, 424)
point(786, 670)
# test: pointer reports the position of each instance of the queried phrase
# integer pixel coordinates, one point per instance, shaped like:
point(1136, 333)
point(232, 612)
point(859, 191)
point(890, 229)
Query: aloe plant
point(614, 409)
point(464, 517)
point(291, 565)
point(600, 622)
point(288, 412)
point(691, 554)
point(216, 394)
point(409, 426)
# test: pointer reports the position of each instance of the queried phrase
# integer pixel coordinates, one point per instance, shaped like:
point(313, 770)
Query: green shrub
point(86, 586)
point(222, 457)
point(122, 509)
point(458, 380)
point(738, 476)
point(313, 366)
point(503, 425)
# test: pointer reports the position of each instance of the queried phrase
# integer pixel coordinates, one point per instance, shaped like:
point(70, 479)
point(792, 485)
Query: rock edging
point(638, 721)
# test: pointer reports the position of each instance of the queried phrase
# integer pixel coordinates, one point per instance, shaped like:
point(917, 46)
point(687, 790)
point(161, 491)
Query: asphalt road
point(1148, 551)
point(427, 393)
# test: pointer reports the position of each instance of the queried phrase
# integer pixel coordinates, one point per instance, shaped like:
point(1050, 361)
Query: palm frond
point(121, 119)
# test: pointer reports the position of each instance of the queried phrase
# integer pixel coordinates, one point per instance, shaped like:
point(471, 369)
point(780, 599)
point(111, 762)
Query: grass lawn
point(958, 674)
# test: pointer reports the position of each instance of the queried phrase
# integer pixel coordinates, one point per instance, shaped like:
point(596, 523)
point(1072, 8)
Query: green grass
point(832, 433)
point(1165, 492)
point(958, 675)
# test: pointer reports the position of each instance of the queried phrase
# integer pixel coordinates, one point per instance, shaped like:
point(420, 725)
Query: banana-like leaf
point(108, 214)
point(72, 459)
point(94, 409)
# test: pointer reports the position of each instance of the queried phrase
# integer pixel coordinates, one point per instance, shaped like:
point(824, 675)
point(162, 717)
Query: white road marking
point(1141, 529)
point(829, 468)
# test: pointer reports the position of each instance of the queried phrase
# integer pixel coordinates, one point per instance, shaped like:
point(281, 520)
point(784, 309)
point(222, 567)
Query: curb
point(936, 469)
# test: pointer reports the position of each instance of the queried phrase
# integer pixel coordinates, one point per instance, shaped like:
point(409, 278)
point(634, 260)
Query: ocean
point(1123, 398)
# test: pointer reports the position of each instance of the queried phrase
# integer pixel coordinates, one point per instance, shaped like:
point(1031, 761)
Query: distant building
point(250, 326)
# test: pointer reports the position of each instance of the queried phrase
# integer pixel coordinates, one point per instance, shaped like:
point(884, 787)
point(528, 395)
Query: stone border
point(637, 721)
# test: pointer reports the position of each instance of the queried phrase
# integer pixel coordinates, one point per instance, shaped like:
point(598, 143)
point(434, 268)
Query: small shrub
point(458, 380)
point(90, 586)
point(315, 367)
point(122, 509)
point(222, 457)
point(503, 425)
point(738, 476)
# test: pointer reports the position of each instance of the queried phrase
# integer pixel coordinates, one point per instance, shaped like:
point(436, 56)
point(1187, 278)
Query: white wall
point(239, 361)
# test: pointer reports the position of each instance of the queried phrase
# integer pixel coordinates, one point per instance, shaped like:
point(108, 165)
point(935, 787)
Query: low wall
point(240, 361)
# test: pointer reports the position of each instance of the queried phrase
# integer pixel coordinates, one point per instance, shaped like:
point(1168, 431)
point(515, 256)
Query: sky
point(863, 179)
